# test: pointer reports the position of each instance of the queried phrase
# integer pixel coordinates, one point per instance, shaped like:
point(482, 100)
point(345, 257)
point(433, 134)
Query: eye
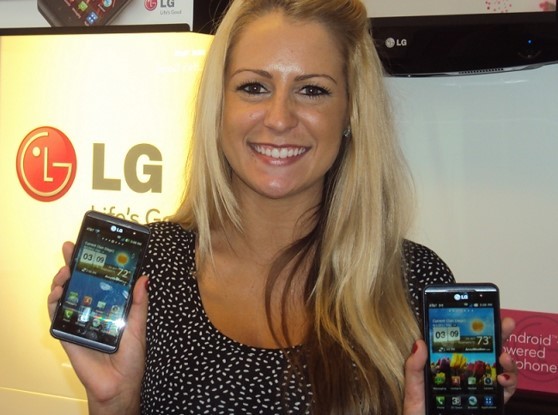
point(314, 91)
point(252, 88)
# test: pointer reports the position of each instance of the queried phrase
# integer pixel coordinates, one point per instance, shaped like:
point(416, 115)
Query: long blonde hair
point(363, 326)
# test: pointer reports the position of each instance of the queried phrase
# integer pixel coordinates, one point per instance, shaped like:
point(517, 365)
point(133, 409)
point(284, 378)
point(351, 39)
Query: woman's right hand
point(112, 381)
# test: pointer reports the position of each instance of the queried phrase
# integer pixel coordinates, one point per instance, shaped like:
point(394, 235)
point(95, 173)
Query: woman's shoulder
point(169, 244)
point(422, 267)
point(423, 264)
point(170, 232)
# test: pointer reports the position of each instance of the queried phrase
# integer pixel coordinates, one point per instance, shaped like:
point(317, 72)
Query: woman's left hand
point(508, 378)
point(414, 403)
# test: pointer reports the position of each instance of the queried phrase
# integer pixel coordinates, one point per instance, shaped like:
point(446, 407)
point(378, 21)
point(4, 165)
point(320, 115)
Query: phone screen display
point(105, 264)
point(80, 12)
point(462, 329)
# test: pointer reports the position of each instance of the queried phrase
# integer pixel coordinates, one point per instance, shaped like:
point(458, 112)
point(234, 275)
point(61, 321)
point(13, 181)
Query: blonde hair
point(363, 327)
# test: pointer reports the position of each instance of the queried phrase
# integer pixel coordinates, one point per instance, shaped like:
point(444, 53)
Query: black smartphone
point(62, 13)
point(105, 264)
point(462, 332)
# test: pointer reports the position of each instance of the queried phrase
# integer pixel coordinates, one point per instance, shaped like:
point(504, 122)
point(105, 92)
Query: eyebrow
point(299, 78)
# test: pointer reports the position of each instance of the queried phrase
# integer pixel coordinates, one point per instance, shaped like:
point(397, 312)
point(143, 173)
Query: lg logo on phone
point(47, 164)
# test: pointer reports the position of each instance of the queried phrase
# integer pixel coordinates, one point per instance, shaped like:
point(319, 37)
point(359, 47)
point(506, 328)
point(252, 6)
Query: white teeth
point(280, 153)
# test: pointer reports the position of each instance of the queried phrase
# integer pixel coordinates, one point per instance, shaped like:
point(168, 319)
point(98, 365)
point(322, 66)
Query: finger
point(508, 326)
point(509, 383)
point(138, 312)
point(67, 249)
point(509, 378)
point(52, 300)
point(64, 273)
point(414, 380)
point(56, 289)
point(60, 278)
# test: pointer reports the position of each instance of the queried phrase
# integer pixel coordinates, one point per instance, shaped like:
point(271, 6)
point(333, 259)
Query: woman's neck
point(270, 225)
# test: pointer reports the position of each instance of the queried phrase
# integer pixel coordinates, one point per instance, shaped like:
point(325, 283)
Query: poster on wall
point(534, 347)
point(94, 13)
point(87, 121)
point(382, 8)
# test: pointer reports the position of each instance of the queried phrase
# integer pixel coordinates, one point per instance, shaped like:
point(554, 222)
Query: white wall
point(483, 150)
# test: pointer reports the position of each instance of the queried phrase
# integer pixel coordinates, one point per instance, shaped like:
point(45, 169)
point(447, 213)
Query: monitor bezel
point(91, 30)
point(433, 42)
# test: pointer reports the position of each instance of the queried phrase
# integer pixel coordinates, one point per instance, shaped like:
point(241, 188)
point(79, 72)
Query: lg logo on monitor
point(392, 42)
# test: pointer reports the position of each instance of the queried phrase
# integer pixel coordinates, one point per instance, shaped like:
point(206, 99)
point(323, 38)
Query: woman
point(283, 283)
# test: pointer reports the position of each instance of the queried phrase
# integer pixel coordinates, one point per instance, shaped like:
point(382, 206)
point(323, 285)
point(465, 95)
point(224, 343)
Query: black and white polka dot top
point(192, 368)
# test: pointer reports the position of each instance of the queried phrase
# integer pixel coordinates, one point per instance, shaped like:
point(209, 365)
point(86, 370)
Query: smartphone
point(105, 264)
point(61, 13)
point(462, 332)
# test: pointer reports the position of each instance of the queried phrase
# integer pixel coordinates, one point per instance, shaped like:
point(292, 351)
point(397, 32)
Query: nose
point(281, 112)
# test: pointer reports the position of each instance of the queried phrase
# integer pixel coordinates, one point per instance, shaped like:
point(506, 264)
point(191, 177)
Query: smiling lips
point(279, 152)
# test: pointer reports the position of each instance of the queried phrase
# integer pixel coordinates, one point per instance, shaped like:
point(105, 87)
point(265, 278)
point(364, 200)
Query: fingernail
point(506, 376)
point(415, 347)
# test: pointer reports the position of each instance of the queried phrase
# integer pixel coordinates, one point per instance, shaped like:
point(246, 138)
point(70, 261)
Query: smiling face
point(285, 108)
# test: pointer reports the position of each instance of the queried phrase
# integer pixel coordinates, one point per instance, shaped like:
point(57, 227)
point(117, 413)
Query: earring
point(347, 132)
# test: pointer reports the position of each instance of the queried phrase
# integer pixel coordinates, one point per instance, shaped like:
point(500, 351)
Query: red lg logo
point(150, 5)
point(46, 164)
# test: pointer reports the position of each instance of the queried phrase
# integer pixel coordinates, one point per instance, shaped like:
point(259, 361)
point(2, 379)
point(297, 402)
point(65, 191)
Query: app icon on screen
point(73, 298)
point(456, 400)
point(96, 322)
point(85, 314)
point(440, 400)
point(68, 314)
point(91, 18)
point(489, 400)
point(473, 401)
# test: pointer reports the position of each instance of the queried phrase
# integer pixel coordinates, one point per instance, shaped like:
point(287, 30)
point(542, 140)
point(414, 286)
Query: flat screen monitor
point(455, 37)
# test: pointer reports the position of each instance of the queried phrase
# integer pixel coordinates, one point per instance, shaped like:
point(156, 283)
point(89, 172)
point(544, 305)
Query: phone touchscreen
point(81, 12)
point(105, 264)
point(462, 328)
